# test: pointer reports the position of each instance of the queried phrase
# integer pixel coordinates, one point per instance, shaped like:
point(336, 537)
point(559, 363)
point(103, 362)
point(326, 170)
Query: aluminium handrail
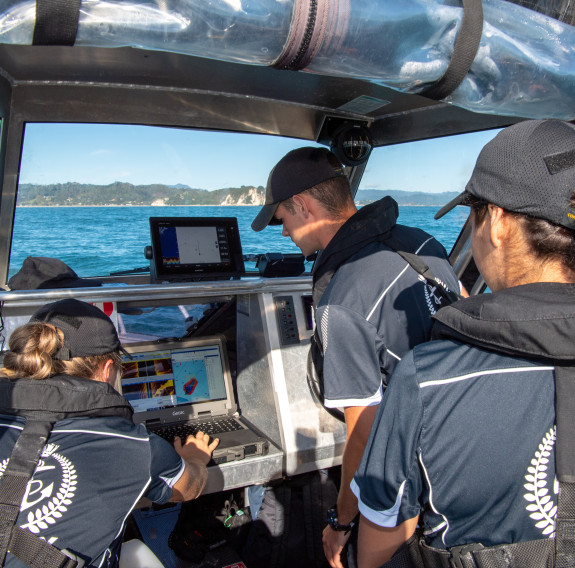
point(31, 298)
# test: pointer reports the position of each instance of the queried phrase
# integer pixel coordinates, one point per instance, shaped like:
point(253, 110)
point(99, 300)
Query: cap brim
point(265, 217)
point(124, 352)
point(461, 199)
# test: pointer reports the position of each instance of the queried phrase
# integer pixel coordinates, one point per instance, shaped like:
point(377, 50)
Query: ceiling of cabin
point(150, 87)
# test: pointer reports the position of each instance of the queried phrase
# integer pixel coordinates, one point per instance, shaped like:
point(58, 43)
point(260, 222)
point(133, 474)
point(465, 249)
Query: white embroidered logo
point(541, 506)
point(49, 504)
point(433, 301)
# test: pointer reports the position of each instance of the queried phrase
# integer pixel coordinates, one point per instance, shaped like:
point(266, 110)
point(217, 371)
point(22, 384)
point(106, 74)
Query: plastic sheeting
point(525, 65)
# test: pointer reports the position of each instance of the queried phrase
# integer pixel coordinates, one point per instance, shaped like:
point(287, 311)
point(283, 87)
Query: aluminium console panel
point(274, 332)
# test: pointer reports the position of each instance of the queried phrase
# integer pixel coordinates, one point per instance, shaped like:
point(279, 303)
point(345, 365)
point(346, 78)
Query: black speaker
point(275, 264)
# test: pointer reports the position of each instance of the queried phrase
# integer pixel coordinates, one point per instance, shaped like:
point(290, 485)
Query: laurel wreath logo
point(48, 513)
point(429, 294)
point(541, 505)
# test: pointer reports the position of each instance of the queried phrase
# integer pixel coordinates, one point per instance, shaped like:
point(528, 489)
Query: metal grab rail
point(32, 298)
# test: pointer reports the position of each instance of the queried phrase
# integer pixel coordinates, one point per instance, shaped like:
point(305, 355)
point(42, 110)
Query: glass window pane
point(87, 191)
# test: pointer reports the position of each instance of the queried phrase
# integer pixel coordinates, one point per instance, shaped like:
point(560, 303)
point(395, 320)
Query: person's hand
point(196, 448)
point(333, 543)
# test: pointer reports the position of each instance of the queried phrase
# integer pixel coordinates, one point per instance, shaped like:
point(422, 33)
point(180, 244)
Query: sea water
point(97, 241)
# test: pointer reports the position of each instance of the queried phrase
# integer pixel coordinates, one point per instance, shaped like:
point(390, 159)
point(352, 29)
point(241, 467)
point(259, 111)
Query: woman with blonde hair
point(72, 462)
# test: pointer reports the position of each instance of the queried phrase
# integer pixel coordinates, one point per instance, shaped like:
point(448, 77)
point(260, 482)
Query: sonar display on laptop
point(180, 387)
point(171, 377)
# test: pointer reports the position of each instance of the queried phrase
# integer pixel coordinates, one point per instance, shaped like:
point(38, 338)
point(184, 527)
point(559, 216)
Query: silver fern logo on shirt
point(541, 506)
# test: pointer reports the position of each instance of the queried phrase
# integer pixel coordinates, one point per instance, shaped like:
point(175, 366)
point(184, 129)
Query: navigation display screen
point(195, 248)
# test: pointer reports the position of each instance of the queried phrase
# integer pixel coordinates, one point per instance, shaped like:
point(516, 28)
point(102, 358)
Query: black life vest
point(43, 403)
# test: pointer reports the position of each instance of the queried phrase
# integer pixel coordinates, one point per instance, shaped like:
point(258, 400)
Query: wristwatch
point(334, 523)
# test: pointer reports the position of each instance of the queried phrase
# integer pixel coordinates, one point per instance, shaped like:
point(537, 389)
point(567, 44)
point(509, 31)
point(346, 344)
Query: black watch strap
point(333, 521)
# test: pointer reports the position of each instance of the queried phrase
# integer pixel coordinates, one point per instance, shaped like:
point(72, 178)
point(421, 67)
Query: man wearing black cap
point(73, 464)
point(478, 427)
point(371, 305)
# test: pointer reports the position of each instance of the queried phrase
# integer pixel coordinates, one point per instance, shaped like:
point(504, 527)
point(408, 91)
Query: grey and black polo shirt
point(467, 437)
point(374, 310)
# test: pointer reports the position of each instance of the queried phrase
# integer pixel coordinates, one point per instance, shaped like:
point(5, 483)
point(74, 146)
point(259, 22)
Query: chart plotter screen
point(195, 248)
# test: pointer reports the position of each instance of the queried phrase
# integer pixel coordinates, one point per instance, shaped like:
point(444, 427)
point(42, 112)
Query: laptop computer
point(180, 387)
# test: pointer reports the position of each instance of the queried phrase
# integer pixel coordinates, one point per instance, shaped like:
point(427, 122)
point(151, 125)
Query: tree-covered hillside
point(120, 193)
point(405, 197)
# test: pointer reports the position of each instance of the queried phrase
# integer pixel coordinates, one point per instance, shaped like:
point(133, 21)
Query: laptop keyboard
point(212, 427)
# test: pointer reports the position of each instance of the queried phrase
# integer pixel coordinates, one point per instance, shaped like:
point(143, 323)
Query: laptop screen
point(162, 376)
point(195, 248)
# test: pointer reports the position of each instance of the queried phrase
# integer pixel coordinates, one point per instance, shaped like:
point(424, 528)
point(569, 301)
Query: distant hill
point(365, 196)
point(120, 193)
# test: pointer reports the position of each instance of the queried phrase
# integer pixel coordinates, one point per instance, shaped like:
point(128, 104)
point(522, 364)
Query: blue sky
point(103, 154)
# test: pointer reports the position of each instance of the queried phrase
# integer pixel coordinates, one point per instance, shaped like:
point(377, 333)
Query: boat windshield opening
point(86, 191)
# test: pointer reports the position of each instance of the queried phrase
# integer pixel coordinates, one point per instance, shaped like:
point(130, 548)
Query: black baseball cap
point(87, 330)
point(45, 272)
point(297, 171)
point(528, 168)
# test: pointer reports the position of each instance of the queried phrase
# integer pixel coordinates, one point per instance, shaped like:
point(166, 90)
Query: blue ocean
point(97, 241)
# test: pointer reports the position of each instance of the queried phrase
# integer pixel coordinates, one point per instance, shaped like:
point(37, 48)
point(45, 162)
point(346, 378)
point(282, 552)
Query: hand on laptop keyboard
point(213, 427)
point(196, 448)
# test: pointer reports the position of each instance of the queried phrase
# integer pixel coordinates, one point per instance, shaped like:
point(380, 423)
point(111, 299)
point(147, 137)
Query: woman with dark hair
point(476, 429)
point(72, 463)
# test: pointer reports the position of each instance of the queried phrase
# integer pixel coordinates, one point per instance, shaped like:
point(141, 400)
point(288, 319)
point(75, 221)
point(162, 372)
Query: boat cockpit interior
point(360, 77)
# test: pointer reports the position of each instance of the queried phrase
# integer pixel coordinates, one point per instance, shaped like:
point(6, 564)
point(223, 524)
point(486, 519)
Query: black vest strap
point(56, 22)
point(565, 410)
point(534, 553)
point(18, 472)
point(416, 554)
point(37, 553)
point(464, 52)
point(565, 527)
